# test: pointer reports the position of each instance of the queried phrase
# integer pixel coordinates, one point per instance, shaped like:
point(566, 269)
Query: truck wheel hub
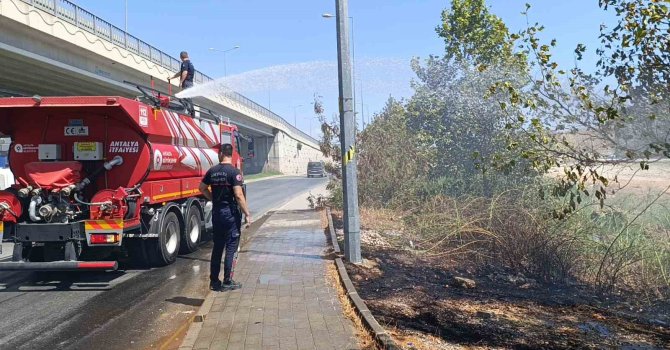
point(171, 231)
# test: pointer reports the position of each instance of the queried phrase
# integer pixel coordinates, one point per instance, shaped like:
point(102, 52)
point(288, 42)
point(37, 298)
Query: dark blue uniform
point(226, 217)
point(187, 66)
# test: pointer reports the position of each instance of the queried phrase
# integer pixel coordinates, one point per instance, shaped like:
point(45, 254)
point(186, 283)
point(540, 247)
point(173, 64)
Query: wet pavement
point(130, 309)
point(286, 301)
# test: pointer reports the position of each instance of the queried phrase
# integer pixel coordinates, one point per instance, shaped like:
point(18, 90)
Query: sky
point(287, 51)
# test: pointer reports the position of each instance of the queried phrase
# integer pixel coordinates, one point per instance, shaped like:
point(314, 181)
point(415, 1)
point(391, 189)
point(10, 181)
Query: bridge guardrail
point(82, 19)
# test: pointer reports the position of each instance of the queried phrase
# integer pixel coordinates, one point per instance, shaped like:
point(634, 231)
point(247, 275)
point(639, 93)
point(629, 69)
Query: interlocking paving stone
point(285, 301)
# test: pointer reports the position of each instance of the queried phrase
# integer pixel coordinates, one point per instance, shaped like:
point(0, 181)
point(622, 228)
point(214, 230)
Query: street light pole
point(126, 23)
point(352, 238)
point(295, 118)
point(353, 59)
point(225, 67)
point(353, 75)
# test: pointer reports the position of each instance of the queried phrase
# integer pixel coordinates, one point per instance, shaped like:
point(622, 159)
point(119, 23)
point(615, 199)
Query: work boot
point(215, 285)
point(231, 285)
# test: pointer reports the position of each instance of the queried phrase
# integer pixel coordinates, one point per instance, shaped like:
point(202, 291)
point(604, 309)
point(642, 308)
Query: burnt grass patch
point(412, 294)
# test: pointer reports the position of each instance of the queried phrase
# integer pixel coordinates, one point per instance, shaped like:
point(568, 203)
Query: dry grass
point(381, 219)
point(365, 340)
point(421, 341)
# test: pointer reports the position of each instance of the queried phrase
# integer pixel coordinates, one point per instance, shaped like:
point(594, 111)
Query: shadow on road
point(41, 281)
point(186, 301)
point(193, 258)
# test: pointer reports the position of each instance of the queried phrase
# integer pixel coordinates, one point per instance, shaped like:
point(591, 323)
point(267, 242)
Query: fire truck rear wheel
point(164, 250)
point(190, 239)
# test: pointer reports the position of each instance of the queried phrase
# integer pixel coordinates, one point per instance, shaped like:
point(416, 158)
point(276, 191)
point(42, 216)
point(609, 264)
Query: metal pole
point(225, 68)
point(353, 73)
point(352, 238)
point(225, 63)
point(126, 26)
point(295, 118)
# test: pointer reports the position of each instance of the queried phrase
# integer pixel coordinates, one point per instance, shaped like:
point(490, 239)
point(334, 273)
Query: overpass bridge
point(54, 47)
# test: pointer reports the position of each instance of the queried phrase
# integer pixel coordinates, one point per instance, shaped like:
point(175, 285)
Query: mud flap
point(17, 254)
point(70, 251)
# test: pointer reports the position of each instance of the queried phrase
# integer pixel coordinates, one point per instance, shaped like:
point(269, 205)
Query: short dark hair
point(226, 150)
point(183, 54)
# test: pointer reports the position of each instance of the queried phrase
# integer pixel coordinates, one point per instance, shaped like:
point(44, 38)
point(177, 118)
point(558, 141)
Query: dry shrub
point(625, 253)
point(514, 231)
point(502, 231)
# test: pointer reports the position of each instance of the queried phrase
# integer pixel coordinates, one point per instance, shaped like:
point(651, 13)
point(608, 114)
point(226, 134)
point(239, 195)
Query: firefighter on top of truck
point(228, 199)
point(186, 72)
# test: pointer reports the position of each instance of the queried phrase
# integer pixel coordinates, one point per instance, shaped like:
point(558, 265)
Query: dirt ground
point(632, 179)
point(423, 306)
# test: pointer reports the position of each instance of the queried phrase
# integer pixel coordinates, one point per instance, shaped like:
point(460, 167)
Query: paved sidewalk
point(285, 302)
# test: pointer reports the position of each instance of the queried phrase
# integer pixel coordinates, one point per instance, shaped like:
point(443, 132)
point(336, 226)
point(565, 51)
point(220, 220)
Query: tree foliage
point(578, 122)
point(391, 163)
point(637, 50)
point(472, 34)
point(452, 120)
point(330, 142)
point(463, 132)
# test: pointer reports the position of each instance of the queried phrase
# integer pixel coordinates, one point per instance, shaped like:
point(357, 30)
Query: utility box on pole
point(352, 231)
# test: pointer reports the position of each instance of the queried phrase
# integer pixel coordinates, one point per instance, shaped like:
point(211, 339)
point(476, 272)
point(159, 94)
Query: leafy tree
point(637, 50)
point(563, 108)
point(391, 165)
point(463, 130)
point(472, 34)
point(330, 142)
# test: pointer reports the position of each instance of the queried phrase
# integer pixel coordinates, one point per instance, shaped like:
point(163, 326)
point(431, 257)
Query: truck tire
point(164, 250)
point(192, 235)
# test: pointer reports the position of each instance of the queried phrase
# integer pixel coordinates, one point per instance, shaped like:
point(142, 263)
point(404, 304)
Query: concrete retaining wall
point(286, 158)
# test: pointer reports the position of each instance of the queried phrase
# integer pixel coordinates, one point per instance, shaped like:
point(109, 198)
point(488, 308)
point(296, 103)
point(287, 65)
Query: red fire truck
point(98, 178)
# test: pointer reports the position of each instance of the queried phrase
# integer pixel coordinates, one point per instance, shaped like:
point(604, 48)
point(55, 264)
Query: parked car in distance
point(316, 169)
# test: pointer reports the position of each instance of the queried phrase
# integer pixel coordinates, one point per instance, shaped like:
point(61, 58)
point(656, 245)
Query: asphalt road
point(132, 309)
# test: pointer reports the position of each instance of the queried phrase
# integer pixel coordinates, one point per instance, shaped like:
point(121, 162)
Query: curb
point(383, 339)
point(264, 178)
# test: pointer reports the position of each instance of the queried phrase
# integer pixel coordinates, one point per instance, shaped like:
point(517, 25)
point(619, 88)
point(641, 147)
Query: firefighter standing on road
point(227, 198)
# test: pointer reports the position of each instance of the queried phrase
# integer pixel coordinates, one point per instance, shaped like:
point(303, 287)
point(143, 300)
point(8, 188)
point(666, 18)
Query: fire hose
point(118, 160)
